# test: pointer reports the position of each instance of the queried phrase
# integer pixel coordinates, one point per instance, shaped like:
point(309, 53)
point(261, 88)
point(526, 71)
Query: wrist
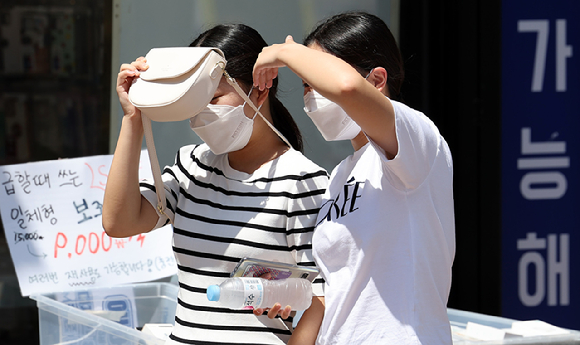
point(133, 122)
point(288, 51)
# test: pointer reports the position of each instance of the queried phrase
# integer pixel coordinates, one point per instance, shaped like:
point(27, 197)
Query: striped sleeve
point(303, 211)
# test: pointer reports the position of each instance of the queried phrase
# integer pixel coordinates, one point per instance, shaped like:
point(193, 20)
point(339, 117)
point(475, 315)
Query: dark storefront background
point(452, 52)
point(54, 103)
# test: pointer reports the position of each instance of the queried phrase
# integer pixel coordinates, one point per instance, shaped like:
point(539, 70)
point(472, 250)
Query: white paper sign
point(51, 212)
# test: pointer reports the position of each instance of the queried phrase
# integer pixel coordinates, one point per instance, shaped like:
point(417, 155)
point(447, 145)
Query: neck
point(264, 146)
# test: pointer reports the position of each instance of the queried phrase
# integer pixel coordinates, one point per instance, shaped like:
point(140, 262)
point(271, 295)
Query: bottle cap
point(213, 293)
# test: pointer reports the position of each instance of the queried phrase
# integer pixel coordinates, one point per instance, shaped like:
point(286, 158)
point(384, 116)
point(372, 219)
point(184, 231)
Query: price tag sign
point(540, 161)
point(52, 217)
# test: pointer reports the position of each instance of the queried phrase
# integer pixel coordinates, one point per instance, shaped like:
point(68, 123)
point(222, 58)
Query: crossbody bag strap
point(245, 97)
point(159, 187)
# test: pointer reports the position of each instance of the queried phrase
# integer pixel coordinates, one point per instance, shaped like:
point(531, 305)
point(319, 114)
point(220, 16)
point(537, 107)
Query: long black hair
point(365, 42)
point(241, 45)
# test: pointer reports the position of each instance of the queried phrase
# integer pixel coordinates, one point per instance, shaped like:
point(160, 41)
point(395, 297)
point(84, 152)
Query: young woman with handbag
point(244, 193)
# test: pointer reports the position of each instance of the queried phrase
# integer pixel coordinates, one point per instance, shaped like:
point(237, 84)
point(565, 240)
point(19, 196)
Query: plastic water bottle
point(251, 293)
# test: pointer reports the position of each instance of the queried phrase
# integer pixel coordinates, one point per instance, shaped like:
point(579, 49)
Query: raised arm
point(125, 211)
point(363, 100)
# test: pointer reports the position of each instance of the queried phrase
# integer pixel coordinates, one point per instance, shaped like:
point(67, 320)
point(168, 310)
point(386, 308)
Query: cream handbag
point(179, 83)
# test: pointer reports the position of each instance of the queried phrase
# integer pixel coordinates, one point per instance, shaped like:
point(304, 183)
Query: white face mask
point(330, 119)
point(224, 128)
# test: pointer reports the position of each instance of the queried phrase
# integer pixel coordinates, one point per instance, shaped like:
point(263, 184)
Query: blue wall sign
point(540, 161)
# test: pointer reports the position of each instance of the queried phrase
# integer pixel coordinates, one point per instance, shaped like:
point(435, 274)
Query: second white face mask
point(330, 119)
point(224, 128)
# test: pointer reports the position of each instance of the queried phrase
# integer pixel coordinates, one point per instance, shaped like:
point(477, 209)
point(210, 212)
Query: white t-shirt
point(385, 241)
point(221, 216)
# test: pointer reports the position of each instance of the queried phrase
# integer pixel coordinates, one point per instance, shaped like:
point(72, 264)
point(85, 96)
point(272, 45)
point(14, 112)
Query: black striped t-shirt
point(221, 215)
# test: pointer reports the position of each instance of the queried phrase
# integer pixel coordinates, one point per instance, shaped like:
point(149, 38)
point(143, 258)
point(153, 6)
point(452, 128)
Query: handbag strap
point(159, 187)
point(245, 97)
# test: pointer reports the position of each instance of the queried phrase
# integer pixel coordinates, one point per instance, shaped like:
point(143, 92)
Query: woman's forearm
point(125, 212)
point(307, 329)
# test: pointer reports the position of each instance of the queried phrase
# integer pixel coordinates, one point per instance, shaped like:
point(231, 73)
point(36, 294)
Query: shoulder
point(405, 112)
point(197, 149)
point(192, 160)
point(192, 154)
point(409, 117)
point(294, 162)
point(301, 174)
point(421, 147)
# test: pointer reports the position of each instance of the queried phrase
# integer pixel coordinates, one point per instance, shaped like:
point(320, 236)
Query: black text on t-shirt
point(344, 203)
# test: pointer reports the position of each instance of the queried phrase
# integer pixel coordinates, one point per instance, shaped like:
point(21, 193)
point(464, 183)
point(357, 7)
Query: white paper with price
point(51, 212)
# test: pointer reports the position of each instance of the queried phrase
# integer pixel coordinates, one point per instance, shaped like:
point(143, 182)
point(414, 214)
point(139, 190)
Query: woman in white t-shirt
point(385, 234)
point(244, 193)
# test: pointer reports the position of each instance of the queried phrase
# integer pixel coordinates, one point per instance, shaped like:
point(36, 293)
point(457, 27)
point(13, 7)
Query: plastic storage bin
point(110, 315)
point(459, 320)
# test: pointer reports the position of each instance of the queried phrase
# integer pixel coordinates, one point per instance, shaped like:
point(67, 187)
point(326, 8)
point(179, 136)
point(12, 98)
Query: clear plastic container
point(459, 320)
point(111, 315)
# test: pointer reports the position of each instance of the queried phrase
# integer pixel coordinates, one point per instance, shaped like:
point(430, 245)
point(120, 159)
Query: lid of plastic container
point(213, 293)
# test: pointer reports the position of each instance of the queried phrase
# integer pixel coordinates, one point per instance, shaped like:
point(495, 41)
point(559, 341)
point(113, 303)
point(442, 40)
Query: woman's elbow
point(125, 225)
point(118, 225)
point(111, 228)
point(350, 85)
